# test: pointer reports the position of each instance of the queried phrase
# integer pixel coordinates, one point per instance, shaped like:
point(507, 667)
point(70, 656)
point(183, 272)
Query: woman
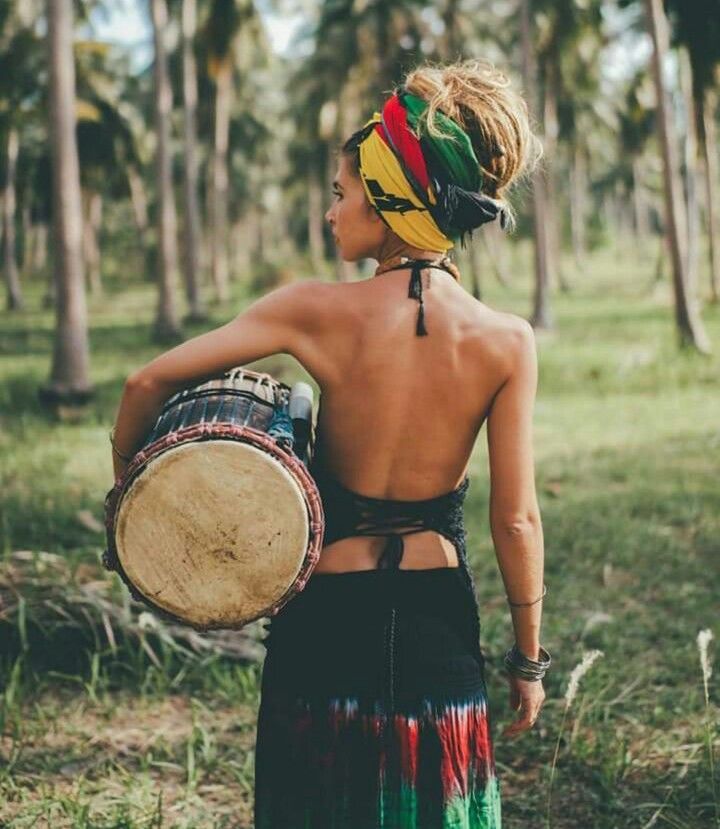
point(374, 709)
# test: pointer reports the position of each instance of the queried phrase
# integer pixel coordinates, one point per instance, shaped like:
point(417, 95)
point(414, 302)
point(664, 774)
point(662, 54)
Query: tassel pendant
point(415, 286)
point(415, 292)
point(420, 329)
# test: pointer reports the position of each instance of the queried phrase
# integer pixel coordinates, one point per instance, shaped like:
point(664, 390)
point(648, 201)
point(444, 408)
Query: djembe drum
point(217, 521)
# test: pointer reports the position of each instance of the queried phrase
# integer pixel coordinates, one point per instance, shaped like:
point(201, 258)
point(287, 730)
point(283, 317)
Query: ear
point(373, 215)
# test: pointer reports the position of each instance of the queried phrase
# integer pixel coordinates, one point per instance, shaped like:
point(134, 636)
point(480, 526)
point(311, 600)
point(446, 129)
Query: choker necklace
point(415, 287)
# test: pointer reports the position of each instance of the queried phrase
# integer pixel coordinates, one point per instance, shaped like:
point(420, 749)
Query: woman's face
point(358, 230)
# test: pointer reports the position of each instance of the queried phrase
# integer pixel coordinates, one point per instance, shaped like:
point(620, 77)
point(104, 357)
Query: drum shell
point(232, 416)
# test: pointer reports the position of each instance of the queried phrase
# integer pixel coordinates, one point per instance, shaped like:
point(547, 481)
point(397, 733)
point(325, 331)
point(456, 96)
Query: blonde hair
point(480, 98)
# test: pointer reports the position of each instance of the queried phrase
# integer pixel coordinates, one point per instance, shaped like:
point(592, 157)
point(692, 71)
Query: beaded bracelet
point(126, 458)
point(527, 604)
point(525, 668)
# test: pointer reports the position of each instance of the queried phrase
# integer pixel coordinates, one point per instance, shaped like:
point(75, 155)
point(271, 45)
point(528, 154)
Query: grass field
point(127, 729)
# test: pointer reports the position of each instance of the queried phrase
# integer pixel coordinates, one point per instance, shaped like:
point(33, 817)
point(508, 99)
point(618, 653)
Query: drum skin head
point(213, 532)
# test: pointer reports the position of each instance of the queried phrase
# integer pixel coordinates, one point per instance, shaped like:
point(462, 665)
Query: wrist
point(521, 666)
point(529, 650)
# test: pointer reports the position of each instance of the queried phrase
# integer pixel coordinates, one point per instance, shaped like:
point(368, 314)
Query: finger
point(518, 727)
point(524, 723)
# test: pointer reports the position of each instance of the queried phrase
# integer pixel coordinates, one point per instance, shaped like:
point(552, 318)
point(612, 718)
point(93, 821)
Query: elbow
point(141, 382)
point(517, 525)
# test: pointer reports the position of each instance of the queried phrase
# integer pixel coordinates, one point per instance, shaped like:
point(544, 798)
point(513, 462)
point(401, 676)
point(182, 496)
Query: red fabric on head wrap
point(395, 117)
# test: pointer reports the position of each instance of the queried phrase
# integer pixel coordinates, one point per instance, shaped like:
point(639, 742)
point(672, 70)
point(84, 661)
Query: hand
point(527, 698)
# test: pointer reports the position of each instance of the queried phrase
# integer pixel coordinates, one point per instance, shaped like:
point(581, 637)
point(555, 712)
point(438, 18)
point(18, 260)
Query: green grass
point(627, 443)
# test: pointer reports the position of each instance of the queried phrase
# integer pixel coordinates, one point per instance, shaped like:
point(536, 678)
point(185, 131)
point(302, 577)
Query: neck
point(394, 247)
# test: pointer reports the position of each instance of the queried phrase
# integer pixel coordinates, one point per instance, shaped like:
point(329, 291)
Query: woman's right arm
point(515, 521)
point(514, 513)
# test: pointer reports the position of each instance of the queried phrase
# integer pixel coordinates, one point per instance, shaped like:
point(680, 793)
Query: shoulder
point(307, 313)
point(519, 354)
point(298, 297)
point(505, 338)
point(301, 306)
point(309, 301)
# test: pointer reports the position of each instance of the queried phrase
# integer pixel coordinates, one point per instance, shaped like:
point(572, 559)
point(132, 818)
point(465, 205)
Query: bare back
point(400, 413)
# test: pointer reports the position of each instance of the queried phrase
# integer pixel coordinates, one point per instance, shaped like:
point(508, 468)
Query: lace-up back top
point(348, 514)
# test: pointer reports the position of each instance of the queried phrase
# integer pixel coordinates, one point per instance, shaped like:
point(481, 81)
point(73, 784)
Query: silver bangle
point(525, 668)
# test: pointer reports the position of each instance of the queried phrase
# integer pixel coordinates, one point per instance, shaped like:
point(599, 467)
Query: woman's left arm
point(280, 322)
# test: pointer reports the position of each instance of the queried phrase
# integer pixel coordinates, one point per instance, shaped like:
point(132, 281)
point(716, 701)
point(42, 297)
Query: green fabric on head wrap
point(454, 153)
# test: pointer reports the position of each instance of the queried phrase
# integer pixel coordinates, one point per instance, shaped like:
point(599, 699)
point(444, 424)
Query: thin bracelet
point(527, 604)
point(120, 455)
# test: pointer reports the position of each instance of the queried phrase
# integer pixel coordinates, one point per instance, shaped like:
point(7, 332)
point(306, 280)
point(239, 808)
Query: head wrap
point(425, 188)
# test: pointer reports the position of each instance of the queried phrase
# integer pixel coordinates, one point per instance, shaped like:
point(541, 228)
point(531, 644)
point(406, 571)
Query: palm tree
point(191, 228)
point(542, 314)
point(636, 124)
point(226, 21)
point(107, 144)
point(689, 325)
point(708, 141)
point(69, 375)
point(167, 326)
point(697, 27)
point(21, 60)
point(569, 30)
point(12, 278)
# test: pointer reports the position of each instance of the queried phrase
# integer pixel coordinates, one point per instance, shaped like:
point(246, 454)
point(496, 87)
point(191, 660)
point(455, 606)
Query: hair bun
point(480, 99)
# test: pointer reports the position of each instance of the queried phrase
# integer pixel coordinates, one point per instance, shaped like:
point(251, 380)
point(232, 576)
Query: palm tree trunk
point(691, 167)
point(541, 315)
point(91, 248)
point(493, 246)
point(384, 38)
point(687, 317)
point(707, 139)
point(69, 376)
point(475, 263)
point(138, 200)
point(242, 245)
point(451, 41)
point(550, 135)
point(315, 221)
point(12, 276)
point(578, 191)
point(192, 212)
point(223, 93)
point(640, 213)
point(167, 327)
point(27, 238)
point(40, 244)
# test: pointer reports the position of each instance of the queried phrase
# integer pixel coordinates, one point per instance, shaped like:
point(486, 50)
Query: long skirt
point(374, 710)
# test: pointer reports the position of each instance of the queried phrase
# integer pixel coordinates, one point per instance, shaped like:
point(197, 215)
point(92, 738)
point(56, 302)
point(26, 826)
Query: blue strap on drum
point(291, 423)
point(281, 427)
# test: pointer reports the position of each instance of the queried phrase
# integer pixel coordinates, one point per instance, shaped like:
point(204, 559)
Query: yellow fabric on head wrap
point(389, 191)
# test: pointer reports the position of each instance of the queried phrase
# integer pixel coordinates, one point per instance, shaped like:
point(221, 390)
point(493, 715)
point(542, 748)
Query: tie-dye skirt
point(374, 710)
